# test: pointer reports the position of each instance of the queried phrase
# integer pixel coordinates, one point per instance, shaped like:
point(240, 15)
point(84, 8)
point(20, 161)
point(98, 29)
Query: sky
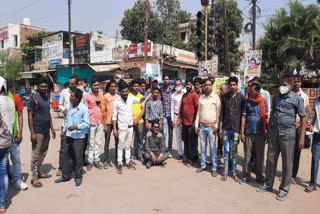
point(104, 15)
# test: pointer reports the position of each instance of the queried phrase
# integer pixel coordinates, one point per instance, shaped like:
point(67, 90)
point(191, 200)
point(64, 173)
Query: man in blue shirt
point(75, 128)
point(253, 132)
point(282, 133)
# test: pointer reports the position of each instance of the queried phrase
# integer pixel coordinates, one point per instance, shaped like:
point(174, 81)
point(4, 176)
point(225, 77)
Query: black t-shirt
point(40, 107)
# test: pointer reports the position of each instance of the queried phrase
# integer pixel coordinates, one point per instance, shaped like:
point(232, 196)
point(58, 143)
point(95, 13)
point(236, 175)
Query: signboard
point(209, 67)
point(3, 33)
point(52, 47)
point(53, 63)
point(81, 47)
point(137, 50)
point(152, 70)
point(253, 63)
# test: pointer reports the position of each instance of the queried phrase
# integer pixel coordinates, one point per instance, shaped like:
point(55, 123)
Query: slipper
point(224, 177)
point(235, 177)
point(45, 175)
point(36, 183)
point(310, 189)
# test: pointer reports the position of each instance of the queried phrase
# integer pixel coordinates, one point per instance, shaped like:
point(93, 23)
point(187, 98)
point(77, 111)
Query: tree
point(292, 39)
point(32, 49)
point(164, 19)
point(11, 67)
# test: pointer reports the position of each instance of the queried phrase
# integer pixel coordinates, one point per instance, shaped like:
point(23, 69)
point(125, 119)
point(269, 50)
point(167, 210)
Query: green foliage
point(32, 47)
point(11, 69)
point(164, 19)
point(292, 39)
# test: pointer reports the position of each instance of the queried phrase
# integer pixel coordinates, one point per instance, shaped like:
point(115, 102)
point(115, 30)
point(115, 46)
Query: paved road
point(173, 189)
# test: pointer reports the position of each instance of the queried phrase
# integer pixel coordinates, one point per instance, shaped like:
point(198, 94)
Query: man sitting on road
point(155, 146)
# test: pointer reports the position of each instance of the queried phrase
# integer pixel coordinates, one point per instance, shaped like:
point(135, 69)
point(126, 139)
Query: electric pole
point(254, 19)
point(226, 40)
point(69, 29)
point(213, 11)
point(146, 28)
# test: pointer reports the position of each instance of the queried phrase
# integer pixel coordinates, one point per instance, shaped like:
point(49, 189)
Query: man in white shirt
point(123, 124)
point(64, 103)
point(176, 98)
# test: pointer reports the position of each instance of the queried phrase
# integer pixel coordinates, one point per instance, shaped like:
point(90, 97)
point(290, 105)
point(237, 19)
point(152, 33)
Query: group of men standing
point(148, 119)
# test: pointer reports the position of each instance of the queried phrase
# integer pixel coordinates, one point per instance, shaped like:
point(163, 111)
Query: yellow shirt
point(136, 108)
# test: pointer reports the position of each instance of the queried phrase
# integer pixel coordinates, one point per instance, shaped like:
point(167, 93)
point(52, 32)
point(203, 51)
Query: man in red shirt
point(187, 116)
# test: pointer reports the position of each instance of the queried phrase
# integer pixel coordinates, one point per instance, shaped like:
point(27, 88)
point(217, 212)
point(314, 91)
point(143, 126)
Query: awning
point(180, 65)
point(105, 68)
point(29, 74)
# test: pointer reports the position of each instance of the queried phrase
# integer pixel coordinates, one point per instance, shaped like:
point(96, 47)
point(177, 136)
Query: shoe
point(263, 188)
point(22, 186)
point(281, 196)
point(106, 165)
point(60, 180)
point(310, 189)
point(89, 167)
point(149, 164)
point(169, 154)
point(130, 165)
point(59, 173)
point(201, 169)
point(119, 169)
point(98, 165)
point(78, 182)
point(180, 157)
point(141, 159)
point(214, 173)
point(243, 181)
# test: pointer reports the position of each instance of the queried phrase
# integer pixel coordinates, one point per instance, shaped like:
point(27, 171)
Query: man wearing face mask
point(175, 108)
point(282, 128)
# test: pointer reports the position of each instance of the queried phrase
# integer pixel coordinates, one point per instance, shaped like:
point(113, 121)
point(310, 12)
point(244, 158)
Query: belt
point(208, 124)
point(176, 113)
point(130, 126)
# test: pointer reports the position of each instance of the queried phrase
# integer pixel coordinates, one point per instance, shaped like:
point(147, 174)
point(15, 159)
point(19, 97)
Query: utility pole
point(146, 28)
point(213, 11)
point(226, 39)
point(206, 33)
point(254, 19)
point(69, 29)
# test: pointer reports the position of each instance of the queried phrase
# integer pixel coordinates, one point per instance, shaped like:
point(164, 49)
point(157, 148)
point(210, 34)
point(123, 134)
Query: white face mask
point(284, 89)
point(178, 89)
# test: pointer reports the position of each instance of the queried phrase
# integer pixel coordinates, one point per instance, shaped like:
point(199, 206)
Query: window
point(98, 48)
point(2, 44)
point(15, 40)
point(183, 36)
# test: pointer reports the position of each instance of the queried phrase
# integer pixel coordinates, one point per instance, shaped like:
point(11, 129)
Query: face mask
point(178, 89)
point(283, 89)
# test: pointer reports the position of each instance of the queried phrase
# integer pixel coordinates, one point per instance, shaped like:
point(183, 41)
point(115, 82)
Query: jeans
point(125, 140)
point(4, 178)
point(72, 157)
point(285, 145)
point(315, 159)
point(107, 143)
point(207, 135)
point(16, 162)
point(168, 129)
point(230, 149)
point(95, 140)
point(138, 139)
point(39, 152)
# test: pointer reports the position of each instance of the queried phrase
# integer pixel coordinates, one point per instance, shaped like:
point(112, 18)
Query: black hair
point(188, 80)
point(155, 81)
point(257, 86)
point(176, 80)
point(166, 75)
point(142, 81)
point(156, 89)
point(197, 80)
point(73, 76)
point(122, 85)
point(78, 94)
point(154, 122)
point(208, 79)
point(297, 76)
point(135, 81)
point(94, 80)
point(233, 79)
point(42, 80)
point(85, 81)
point(255, 61)
point(3, 90)
point(112, 81)
point(287, 78)
point(257, 79)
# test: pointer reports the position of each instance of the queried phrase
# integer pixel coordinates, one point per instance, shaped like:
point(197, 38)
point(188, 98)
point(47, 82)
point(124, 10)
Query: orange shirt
point(109, 99)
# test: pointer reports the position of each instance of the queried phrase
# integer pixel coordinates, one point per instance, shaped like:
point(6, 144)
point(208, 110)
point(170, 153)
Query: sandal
point(310, 189)
point(36, 183)
point(236, 178)
point(45, 175)
point(3, 210)
point(224, 177)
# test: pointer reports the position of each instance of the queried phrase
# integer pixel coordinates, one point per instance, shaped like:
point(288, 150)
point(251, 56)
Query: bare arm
point(20, 124)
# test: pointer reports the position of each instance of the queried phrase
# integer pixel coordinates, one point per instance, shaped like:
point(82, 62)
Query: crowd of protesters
point(146, 117)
